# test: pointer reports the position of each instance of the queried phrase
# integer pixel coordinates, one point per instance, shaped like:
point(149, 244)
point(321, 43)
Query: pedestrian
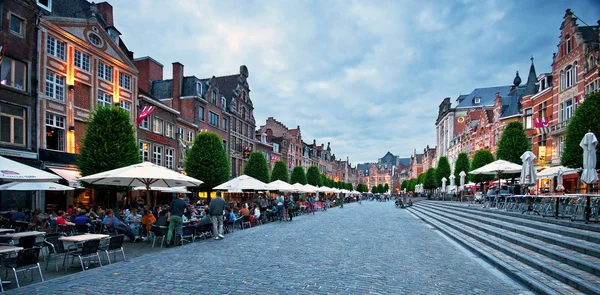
point(342, 202)
point(280, 208)
point(176, 221)
point(217, 206)
point(290, 207)
point(311, 204)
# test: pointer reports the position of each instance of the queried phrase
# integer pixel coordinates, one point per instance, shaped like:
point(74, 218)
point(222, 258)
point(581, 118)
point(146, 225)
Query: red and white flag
point(145, 112)
point(2, 50)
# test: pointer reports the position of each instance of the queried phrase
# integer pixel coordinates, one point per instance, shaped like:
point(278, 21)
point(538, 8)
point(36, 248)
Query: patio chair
point(159, 232)
point(55, 249)
point(204, 231)
point(82, 228)
point(245, 221)
point(27, 259)
point(26, 242)
point(188, 234)
point(88, 250)
point(114, 245)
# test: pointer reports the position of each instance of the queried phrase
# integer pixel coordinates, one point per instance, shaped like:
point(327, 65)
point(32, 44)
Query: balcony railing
point(559, 127)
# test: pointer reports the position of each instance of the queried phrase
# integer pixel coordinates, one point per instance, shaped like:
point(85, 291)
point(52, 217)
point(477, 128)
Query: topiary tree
point(421, 178)
point(411, 184)
point(280, 172)
point(374, 190)
point(109, 142)
point(480, 159)
point(380, 188)
point(298, 175)
point(462, 164)
point(442, 170)
point(386, 187)
point(586, 118)
point(513, 143)
point(257, 167)
point(207, 160)
point(313, 176)
point(323, 180)
point(430, 179)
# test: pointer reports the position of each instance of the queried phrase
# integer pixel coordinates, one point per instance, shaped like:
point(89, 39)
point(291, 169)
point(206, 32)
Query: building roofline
point(150, 58)
point(159, 104)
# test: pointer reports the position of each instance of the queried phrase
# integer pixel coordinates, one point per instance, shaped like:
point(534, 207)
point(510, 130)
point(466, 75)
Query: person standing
point(280, 208)
point(342, 202)
point(177, 209)
point(290, 207)
point(311, 204)
point(217, 205)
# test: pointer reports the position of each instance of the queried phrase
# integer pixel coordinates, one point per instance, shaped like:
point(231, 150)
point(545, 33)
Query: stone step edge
point(550, 219)
point(558, 274)
point(537, 224)
point(519, 276)
point(576, 262)
point(499, 223)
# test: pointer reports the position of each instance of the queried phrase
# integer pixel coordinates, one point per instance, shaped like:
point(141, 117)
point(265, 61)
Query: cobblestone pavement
point(371, 248)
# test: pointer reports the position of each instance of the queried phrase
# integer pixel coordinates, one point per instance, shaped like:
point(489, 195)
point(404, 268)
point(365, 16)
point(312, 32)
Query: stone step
point(578, 279)
point(535, 280)
point(562, 254)
point(520, 219)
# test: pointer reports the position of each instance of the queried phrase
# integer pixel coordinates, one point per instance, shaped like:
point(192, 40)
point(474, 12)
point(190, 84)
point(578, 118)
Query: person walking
point(177, 209)
point(217, 205)
point(342, 202)
point(290, 207)
point(311, 204)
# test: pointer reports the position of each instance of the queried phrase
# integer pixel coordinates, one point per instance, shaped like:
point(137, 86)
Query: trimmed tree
point(586, 118)
point(513, 143)
point(421, 178)
point(480, 159)
point(462, 164)
point(313, 176)
point(386, 187)
point(109, 142)
point(257, 167)
point(280, 172)
point(442, 170)
point(430, 179)
point(298, 175)
point(207, 160)
point(380, 188)
point(374, 190)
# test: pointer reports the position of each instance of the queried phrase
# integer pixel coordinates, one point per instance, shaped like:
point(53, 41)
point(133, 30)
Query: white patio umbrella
point(34, 186)
point(242, 183)
point(310, 189)
point(553, 171)
point(14, 171)
point(452, 177)
point(498, 167)
point(281, 186)
point(462, 175)
point(559, 180)
point(588, 144)
point(324, 189)
point(300, 187)
point(444, 179)
point(179, 189)
point(144, 174)
point(528, 176)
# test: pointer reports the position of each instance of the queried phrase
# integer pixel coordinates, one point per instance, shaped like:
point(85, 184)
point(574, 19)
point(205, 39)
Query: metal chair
point(55, 248)
point(27, 259)
point(115, 244)
point(245, 221)
point(82, 228)
point(159, 232)
point(26, 242)
point(188, 234)
point(88, 250)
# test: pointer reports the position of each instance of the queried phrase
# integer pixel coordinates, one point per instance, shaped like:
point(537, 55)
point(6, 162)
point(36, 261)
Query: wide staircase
point(547, 255)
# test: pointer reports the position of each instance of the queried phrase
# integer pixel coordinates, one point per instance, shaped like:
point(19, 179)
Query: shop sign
point(158, 138)
point(18, 154)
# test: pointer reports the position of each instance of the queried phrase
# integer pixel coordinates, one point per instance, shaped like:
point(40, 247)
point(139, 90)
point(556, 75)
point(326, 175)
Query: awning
point(69, 175)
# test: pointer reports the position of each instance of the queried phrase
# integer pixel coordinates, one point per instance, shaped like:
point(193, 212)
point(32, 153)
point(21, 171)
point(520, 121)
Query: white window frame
point(55, 86)
point(125, 104)
point(22, 24)
point(104, 99)
point(125, 81)
point(157, 154)
point(170, 128)
point(223, 103)
point(56, 121)
point(82, 60)
point(568, 44)
point(169, 157)
point(105, 72)
point(568, 76)
point(568, 110)
point(528, 119)
point(180, 132)
point(562, 80)
point(190, 135)
point(12, 118)
point(145, 124)
point(158, 125)
point(201, 113)
point(47, 7)
point(12, 68)
point(56, 48)
point(144, 154)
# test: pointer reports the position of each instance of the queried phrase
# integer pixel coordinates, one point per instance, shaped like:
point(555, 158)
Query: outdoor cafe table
point(6, 230)
point(83, 238)
point(16, 236)
point(6, 250)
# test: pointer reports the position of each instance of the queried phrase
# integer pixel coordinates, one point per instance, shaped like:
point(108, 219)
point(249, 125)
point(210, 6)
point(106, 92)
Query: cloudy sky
point(367, 76)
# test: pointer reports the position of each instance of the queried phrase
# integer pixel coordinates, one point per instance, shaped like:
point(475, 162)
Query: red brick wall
point(177, 84)
point(149, 71)
point(80, 128)
point(82, 95)
point(187, 109)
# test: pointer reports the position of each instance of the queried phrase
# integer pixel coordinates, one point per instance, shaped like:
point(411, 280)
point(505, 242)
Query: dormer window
point(263, 138)
point(477, 100)
point(114, 35)
point(214, 97)
point(199, 88)
point(45, 4)
point(223, 103)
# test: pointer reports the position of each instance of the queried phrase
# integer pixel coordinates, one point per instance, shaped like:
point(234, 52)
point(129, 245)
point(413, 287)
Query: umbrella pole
point(588, 205)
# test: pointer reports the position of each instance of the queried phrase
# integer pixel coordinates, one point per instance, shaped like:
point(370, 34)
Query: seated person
point(147, 220)
point(83, 219)
point(229, 216)
point(163, 219)
point(113, 223)
point(18, 216)
point(62, 222)
point(244, 211)
point(272, 214)
point(205, 224)
point(255, 216)
point(135, 221)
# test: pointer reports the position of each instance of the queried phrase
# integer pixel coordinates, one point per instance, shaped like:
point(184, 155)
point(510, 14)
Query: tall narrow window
point(12, 125)
point(144, 151)
point(104, 99)
point(190, 135)
point(169, 130)
point(528, 120)
point(180, 132)
point(125, 81)
point(569, 77)
point(169, 154)
point(562, 80)
point(55, 86)
point(575, 72)
point(55, 47)
point(201, 113)
point(568, 109)
point(568, 43)
point(157, 155)
point(82, 60)
point(17, 25)
point(224, 124)
point(157, 126)
point(214, 97)
point(13, 73)
point(105, 72)
point(55, 132)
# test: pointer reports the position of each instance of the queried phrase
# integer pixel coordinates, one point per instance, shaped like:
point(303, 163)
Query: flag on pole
point(580, 99)
point(145, 112)
point(2, 50)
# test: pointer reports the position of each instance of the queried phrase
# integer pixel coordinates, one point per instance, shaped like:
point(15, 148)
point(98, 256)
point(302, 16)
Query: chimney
point(177, 84)
point(150, 70)
point(106, 10)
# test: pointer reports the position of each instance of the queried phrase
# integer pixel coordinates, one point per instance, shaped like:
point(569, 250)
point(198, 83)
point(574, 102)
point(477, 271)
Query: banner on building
point(542, 156)
point(247, 151)
point(275, 158)
point(144, 113)
point(541, 125)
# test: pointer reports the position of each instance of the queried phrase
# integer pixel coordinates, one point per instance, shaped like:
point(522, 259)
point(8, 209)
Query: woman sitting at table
point(147, 220)
point(135, 221)
point(255, 216)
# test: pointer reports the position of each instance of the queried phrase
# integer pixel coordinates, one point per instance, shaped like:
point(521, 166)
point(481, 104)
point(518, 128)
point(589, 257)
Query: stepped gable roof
point(485, 95)
point(227, 86)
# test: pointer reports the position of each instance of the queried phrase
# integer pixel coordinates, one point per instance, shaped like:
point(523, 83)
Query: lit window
point(125, 81)
point(55, 47)
point(157, 155)
point(55, 132)
point(17, 25)
point(169, 154)
point(144, 151)
point(13, 73)
point(55, 86)
point(213, 119)
point(157, 126)
point(169, 130)
point(125, 105)
point(104, 99)
point(12, 125)
point(145, 124)
point(105, 72)
point(82, 60)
